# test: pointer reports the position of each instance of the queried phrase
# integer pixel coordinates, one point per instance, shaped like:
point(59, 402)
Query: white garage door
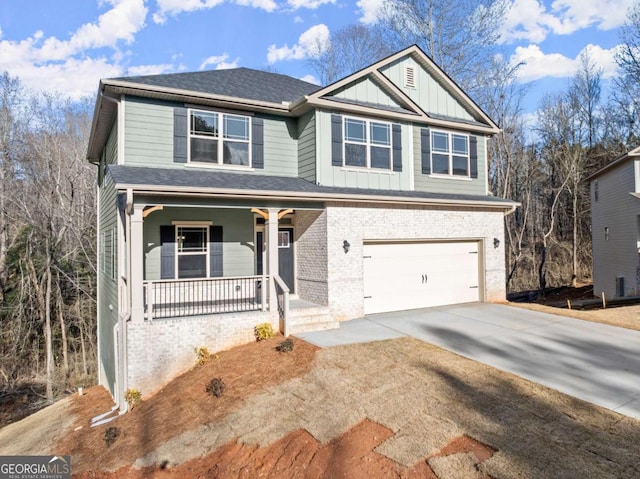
point(401, 276)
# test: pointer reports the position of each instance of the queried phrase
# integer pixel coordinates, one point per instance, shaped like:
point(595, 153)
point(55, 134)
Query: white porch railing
point(193, 297)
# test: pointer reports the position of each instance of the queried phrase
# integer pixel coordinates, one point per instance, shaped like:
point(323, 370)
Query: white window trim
point(112, 258)
point(450, 175)
point(192, 224)
point(220, 138)
point(367, 145)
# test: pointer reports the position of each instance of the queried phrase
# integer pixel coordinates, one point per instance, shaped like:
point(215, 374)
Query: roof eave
point(154, 190)
point(178, 94)
point(632, 155)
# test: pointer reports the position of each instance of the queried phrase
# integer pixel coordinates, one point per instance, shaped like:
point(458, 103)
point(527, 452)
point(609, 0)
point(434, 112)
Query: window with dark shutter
point(397, 147)
point(167, 252)
point(257, 143)
point(425, 151)
point(180, 136)
point(336, 140)
point(215, 251)
point(473, 156)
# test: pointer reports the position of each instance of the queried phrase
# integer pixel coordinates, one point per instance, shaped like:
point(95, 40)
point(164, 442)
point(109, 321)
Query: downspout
point(125, 360)
point(511, 209)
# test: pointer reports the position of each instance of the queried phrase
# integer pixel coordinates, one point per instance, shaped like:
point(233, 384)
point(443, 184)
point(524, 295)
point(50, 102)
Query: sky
point(66, 46)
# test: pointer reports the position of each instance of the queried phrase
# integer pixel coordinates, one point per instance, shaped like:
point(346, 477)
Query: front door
point(285, 255)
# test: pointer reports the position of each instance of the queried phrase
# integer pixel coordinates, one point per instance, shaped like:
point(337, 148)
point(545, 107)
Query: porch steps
point(305, 317)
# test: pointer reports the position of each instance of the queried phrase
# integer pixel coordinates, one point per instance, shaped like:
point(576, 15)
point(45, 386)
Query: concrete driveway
point(594, 362)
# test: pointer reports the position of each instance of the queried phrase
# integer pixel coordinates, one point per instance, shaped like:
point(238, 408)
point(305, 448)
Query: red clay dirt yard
point(399, 409)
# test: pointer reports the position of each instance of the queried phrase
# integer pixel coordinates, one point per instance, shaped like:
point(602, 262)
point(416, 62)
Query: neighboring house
point(235, 197)
point(615, 227)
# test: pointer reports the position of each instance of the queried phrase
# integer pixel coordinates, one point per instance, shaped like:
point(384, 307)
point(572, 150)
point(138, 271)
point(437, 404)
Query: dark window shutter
point(180, 125)
point(425, 150)
point(473, 156)
point(336, 140)
point(167, 252)
point(215, 251)
point(397, 147)
point(257, 143)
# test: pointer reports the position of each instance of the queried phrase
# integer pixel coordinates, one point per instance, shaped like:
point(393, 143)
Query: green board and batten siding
point(108, 288)
point(428, 93)
point(365, 90)
point(435, 184)
point(307, 147)
point(149, 139)
point(280, 147)
point(237, 236)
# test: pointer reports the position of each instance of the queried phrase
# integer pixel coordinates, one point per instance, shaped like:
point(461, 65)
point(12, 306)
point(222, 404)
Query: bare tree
point(349, 49)
point(459, 36)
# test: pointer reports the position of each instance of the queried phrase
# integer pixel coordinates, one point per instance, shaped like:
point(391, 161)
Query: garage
point(399, 276)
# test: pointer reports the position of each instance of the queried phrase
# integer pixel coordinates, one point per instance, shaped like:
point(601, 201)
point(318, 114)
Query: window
point(449, 153)
point(219, 138)
point(595, 190)
point(367, 144)
point(606, 233)
point(284, 239)
point(192, 251)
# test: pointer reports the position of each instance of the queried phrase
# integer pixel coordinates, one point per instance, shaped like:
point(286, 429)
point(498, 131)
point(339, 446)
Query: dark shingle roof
point(237, 82)
point(200, 179)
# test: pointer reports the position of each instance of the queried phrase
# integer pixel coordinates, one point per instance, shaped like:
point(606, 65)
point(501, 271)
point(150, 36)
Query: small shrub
point(263, 331)
point(110, 435)
point(216, 387)
point(202, 355)
point(133, 397)
point(285, 346)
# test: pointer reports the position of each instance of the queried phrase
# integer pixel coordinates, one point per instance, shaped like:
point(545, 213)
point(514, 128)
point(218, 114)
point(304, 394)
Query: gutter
point(153, 190)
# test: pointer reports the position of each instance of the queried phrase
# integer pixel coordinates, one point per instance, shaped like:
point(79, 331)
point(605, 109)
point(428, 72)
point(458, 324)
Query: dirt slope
point(397, 408)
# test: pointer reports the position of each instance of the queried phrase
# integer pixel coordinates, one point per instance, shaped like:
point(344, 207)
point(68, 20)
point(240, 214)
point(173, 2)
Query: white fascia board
point(152, 190)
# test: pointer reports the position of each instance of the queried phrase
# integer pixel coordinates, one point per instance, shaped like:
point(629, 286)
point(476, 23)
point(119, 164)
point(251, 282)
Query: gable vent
point(409, 76)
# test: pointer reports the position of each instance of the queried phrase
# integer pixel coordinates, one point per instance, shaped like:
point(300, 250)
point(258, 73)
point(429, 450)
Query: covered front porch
point(196, 259)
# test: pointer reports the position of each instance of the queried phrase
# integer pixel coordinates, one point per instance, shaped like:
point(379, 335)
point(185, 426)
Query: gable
point(429, 93)
point(365, 91)
point(430, 97)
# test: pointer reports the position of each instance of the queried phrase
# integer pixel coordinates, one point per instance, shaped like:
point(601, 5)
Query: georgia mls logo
point(35, 467)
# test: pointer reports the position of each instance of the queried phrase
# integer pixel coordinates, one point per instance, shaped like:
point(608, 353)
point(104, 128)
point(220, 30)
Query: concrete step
point(308, 327)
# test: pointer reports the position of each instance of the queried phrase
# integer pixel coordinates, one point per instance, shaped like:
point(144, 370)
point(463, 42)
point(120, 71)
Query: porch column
point(136, 260)
point(271, 240)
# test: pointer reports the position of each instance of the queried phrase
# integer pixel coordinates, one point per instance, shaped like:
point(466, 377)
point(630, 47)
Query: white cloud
point(174, 7)
point(266, 5)
point(297, 19)
point(310, 44)
point(141, 70)
point(66, 66)
point(310, 4)
point(121, 23)
point(310, 79)
point(531, 20)
point(220, 61)
point(537, 64)
point(370, 10)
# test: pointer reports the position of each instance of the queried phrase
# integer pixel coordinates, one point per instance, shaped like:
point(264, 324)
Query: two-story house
point(235, 197)
point(615, 227)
